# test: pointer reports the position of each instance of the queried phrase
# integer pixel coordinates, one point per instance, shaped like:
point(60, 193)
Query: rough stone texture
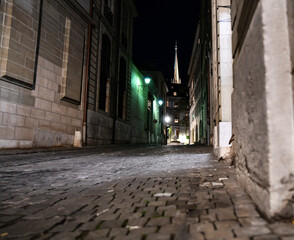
point(126, 192)
point(40, 117)
point(280, 118)
point(263, 110)
point(249, 111)
point(290, 11)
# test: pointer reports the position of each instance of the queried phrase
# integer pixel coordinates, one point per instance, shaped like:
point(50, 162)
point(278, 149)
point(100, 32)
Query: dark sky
point(159, 25)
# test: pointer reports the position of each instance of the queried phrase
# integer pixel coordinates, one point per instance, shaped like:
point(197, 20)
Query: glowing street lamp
point(160, 102)
point(147, 80)
point(167, 119)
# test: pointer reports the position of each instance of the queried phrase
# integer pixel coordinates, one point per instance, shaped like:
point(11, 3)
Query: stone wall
point(42, 66)
point(263, 105)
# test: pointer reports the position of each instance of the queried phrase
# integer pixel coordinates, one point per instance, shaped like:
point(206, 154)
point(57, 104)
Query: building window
point(149, 105)
point(122, 88)
point(167, 103)
point(105, 74)
point(108, 11)
point(175, 93)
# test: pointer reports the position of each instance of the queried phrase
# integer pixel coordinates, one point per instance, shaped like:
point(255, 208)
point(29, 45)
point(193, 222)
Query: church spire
point(176, 79)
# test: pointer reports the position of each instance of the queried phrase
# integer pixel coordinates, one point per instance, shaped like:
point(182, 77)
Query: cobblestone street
point(127, 192)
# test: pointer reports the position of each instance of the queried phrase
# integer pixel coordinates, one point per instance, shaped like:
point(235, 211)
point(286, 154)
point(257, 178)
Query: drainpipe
point(87, 77)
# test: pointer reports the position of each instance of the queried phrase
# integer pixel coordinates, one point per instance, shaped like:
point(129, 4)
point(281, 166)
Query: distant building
point(177, 108)
point(194, 66)
point(157, 107)
point(146, 109)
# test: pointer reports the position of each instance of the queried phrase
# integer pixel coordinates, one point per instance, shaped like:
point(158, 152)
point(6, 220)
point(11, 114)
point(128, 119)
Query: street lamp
point(147, 80)
point(167, 121)
point(160, 102)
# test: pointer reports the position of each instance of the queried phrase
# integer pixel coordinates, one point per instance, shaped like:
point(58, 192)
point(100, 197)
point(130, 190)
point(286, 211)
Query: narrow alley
point(127, 192)
point(146, 120)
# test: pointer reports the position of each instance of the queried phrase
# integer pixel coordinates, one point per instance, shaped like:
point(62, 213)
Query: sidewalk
point(200, 204)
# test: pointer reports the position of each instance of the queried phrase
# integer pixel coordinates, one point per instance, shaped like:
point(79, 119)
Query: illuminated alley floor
point(127, 192)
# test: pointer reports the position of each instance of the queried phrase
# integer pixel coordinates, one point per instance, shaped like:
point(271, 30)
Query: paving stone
point(25, 228)
point(117, 232)
point(137, 221)
point(252, 231)
point(252, 221)
point(156, 236)
point(225, 214)
point(99, 234)
point(142, 231)
point(220, 235)
point(63, 236)
point(158, 221)
point(222, 225)
point(266, 237)
point(283, 229)
point(246, 212)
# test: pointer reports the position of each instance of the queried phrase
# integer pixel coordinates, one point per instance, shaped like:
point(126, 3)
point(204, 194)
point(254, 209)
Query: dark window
point(122, 88)
point(108, 12)
point(105, 71)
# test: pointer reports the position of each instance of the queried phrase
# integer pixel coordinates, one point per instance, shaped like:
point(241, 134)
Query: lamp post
point(167, 120)
point(141, 88)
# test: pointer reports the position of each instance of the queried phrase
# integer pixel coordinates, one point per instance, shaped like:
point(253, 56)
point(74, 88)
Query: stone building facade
point(199, 79)
point(147, 125)
point(262, 102)
point(65, 71)
point(178, 112)
point(43, 62)
point(194, 72)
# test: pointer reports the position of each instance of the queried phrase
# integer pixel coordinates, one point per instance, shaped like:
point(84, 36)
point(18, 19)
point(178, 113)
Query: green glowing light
point(147, 80)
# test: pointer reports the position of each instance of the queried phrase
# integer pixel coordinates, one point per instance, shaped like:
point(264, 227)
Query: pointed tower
point(176, 79)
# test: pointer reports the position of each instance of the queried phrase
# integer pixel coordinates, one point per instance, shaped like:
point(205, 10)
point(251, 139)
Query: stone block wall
point(41, 80)
point(99, 128)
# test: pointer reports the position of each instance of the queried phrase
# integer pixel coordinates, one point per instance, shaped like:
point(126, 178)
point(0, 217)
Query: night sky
point(160, 23)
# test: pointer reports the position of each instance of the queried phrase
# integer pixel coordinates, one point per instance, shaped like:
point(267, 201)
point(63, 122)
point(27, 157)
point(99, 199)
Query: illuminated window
point(167, 103)
point(176, 120)
point(176, 105)
point(149, 105)
point(175, 93)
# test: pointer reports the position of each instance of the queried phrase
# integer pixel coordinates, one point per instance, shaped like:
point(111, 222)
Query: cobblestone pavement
point(127, 192)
